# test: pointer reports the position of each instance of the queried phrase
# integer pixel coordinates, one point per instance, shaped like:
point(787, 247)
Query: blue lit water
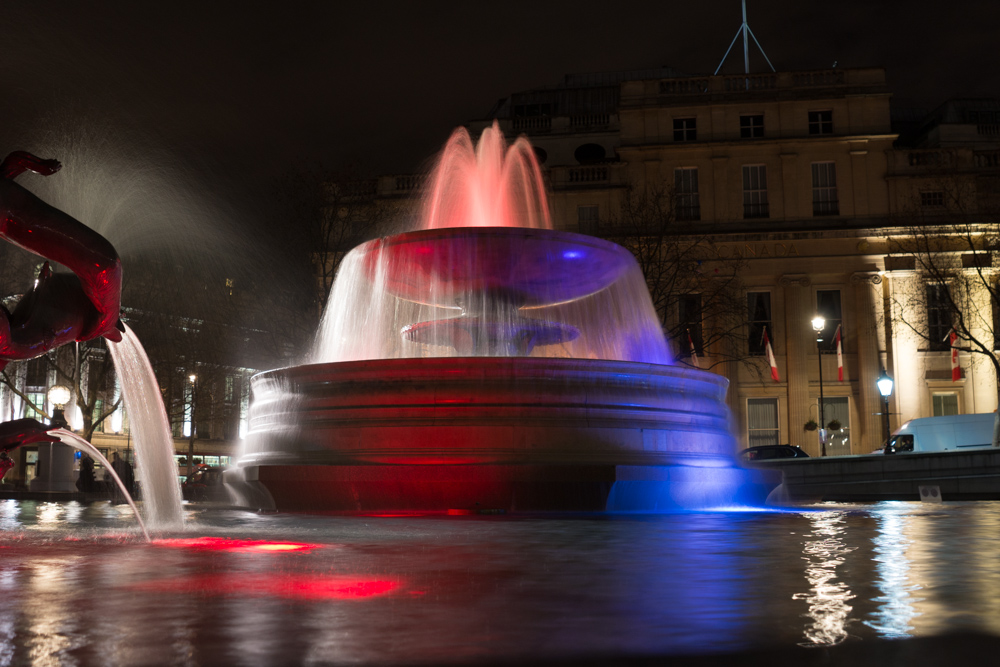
point(79, 586)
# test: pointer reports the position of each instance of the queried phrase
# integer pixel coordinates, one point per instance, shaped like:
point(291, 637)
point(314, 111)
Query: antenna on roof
point(744, 29)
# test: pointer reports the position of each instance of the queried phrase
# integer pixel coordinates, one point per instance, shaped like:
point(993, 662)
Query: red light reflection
point(297, 587)
point(226, 544)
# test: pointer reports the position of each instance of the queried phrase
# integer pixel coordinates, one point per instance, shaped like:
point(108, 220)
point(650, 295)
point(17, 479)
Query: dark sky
point(238, 90)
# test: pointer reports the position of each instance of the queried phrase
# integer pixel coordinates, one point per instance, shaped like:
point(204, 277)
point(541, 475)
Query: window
point(688, 206)
point(828, 305)
point(996, 315)
point(755, 191)
point(938, 316)
point(932, 199)
point(759, 318)
point(690, 315)
point(824, 176)
point(945, 404)
point(762, 421)
point(586, 217)
point(590, 154)
point(820, 122)
point(751, 127)
point(685, 129)
point(37, 373)
point(38, 399)
point(837, 408)
point(98, 409)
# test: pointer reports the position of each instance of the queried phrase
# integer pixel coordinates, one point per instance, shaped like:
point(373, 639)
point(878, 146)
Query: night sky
point(233, 93)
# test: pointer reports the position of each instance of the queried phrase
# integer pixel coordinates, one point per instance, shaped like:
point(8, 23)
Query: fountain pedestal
point(486, 433)
point(54, 470)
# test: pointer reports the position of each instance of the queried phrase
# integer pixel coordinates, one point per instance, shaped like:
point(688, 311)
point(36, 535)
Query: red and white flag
point(770, 357)
point(956, 371)
point(840, 355)
point(694, 351)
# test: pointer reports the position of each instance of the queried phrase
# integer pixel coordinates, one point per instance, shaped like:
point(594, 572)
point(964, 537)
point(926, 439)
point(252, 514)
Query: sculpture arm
point(19, 432)
point(18, 162)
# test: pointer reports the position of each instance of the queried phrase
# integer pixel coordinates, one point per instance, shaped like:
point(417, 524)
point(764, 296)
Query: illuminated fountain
point(479, 363)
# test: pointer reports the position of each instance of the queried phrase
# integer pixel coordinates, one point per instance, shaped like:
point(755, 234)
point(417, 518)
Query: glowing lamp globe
point(59, 395)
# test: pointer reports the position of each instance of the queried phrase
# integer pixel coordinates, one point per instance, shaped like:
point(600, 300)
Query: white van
point(943, 434)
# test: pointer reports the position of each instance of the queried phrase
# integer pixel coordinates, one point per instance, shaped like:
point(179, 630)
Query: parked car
point(205, 484)
point(767, 452)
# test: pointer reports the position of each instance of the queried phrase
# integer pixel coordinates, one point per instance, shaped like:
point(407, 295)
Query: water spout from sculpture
point(75, 441)
point(150, 429)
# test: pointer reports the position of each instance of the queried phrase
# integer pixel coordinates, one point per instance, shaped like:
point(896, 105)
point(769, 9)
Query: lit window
point(824, 178)
point(752, 127)
point(820, 122)
point(836, 409)
point(938, 316)
point(755, 191)
point(828, 305)
point(688, 206)
point(759, 318)
point(762, 421)
point(587, 218)
point(932, 199)
point(945, 404)
point(690, 316)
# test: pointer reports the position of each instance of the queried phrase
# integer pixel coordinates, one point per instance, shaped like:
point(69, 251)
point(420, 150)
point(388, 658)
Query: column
point(798, 339)
point(865, 342)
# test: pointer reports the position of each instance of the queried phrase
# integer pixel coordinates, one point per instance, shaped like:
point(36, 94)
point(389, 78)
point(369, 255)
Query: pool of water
point(78, 585)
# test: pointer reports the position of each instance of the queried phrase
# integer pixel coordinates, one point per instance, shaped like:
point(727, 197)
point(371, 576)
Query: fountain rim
point(543, 365)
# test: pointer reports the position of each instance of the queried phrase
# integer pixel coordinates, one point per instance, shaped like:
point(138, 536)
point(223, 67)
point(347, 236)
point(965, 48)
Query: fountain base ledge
point(490, 434)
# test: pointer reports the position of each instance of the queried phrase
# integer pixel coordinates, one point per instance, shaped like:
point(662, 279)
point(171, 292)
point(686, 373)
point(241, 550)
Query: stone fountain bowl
point(525, 267)
point(508, 433)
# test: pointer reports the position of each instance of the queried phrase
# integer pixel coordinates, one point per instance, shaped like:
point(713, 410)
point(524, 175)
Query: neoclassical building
point(805, 181)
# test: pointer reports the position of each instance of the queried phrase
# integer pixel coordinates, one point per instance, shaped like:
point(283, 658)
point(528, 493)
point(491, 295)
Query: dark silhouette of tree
point(699, 297)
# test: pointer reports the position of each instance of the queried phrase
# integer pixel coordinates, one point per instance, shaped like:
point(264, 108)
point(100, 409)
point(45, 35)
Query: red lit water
point(78, 585)
point(489, 184)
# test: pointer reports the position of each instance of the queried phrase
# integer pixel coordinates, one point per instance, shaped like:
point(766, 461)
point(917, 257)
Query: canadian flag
point(694, 351)
point(840, 355)
point(956, 371)
point(770, 357)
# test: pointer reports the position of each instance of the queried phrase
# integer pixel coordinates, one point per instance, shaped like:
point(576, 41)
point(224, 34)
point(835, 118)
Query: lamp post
point(884, 384)
point(191, 428)
point(818, 322)
point(58, 396)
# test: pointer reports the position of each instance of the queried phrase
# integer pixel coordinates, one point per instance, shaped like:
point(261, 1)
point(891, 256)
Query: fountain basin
point(517, 433)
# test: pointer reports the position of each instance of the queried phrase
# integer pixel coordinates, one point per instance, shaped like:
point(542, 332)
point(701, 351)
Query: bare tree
point(698, 296)
point(951, 247)
point(327, 213)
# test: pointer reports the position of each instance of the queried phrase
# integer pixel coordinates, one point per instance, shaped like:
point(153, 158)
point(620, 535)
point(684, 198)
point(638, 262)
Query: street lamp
point(818, 322)
point(58, 396)
point(194, 390)
point(884, 383)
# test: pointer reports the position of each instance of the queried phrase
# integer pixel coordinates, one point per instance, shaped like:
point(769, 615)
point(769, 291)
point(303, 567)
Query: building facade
point(804, 181)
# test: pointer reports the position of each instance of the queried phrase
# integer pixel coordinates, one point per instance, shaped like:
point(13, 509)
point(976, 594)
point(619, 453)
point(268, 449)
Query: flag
point(840, 355)
point(694, 352)
point(956, 371)
point(770, 357)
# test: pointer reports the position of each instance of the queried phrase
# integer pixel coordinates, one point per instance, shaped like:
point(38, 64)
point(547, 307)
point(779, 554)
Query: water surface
point(78, 585)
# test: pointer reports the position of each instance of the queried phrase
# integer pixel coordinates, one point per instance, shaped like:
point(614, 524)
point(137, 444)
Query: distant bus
point(943, 434)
